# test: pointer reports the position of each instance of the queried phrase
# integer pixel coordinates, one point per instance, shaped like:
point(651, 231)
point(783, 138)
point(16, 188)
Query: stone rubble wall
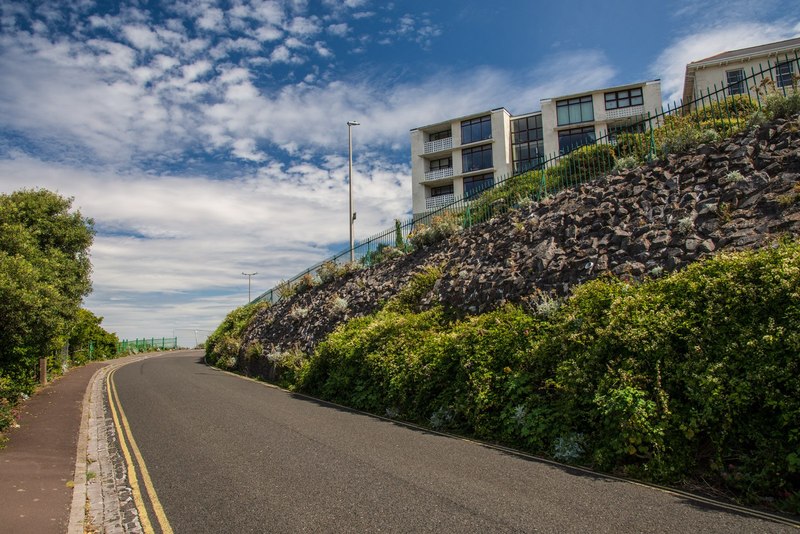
point(738, 194)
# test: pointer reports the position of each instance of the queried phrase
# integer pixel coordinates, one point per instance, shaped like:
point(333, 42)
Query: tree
point(44, 275)
point(88, 340)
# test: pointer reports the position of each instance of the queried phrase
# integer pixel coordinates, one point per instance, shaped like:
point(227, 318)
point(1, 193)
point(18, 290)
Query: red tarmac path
point(38, 461)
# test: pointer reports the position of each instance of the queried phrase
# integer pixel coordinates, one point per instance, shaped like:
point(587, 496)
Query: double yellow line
point(128, 445)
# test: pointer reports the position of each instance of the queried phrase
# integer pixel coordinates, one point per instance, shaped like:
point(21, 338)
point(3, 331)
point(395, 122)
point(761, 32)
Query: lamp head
point(353, 123)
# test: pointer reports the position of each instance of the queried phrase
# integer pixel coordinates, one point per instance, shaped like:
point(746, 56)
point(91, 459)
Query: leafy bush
point(694, 374)
point(222, 344)
point(305, 283)
point(441, 227)
point(409, 299)
point(580, 165)
point(330, 270)
point(383, 253)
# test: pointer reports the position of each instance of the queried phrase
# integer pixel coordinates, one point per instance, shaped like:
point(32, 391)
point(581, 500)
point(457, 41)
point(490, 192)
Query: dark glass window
point(474, 159)
point(474, 185)
point(440, 135)
point(474, 130)
point(784, 71)
point(443, 163)
point(527, 144)
point(624, 99)
point(735, 81)
point(633, 128)
point(569, 140)
point(442, 190)
point(575, 110)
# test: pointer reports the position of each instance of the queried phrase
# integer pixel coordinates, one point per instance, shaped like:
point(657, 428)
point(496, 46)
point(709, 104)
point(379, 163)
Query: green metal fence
point(716, 112)
point(147, 344)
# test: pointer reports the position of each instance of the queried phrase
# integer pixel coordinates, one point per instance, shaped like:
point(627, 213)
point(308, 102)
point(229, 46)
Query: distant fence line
point(639, 137)
point(147, 344)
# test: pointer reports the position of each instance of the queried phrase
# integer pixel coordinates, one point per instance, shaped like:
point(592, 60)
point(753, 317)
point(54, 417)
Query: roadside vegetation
point(690, 379)
point(44, 276)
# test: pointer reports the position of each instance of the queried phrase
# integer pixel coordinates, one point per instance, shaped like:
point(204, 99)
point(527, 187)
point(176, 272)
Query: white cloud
point(211, 19)
point(670, 65)
point(142, 37)
point(303, 26)
point(340, 29)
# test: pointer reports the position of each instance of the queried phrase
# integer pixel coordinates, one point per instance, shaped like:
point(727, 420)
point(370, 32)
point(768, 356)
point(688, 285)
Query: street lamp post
point(249, 278)
point(350, 125)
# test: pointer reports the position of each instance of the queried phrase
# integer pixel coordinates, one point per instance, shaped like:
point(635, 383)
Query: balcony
point(438, 174)
point(623, 113)
point(440, 201)
point(438, 145)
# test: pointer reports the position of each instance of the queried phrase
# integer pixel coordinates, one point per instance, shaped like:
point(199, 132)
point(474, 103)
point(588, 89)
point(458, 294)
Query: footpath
point(37, 465)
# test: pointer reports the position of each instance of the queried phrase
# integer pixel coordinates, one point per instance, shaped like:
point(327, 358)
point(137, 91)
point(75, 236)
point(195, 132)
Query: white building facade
point(460, 157)
point(778, 61)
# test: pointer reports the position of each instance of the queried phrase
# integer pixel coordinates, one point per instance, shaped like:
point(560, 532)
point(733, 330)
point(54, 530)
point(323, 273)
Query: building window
point(475, 185)
point(474, 130)
point(442, 190)
point(624, 99)
point(443, 163)
point(785, 73)
point(527, 143)
point(569, 140)
point(475, 159)
point(632, 128)
point(735, 81)
point(575, 110)
point(440, 135)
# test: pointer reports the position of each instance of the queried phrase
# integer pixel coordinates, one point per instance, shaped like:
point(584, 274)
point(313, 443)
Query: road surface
point(225, 454)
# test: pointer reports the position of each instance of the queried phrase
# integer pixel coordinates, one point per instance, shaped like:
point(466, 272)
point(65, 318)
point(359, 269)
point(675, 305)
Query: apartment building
point(729, 69)
point(460, 157)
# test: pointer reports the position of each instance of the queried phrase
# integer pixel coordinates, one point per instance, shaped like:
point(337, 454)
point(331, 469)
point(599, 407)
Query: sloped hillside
point(738, 194)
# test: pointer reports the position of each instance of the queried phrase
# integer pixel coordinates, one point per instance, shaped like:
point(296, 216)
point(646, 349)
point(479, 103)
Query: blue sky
point(207, 138)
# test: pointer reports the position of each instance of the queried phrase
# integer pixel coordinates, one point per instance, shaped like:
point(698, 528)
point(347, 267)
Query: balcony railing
point(438, 174)
point(622, 113)
point(439, 144)
point(440, 201)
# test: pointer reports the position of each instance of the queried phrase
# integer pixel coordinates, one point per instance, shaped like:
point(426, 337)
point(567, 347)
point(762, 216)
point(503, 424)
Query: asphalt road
point(230, 455)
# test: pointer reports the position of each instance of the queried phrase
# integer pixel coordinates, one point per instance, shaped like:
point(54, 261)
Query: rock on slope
point(737, 194)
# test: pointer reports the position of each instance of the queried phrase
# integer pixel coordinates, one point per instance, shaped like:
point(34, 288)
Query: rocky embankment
point(738, 194)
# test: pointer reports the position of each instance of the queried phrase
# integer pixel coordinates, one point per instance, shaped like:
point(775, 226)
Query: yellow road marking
point(137, 494)
point(155, 503)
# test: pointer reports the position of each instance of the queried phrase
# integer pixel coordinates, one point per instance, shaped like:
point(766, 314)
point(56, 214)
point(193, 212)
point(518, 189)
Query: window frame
point(578, 103)
point(532, 142)
point(437, 136)
point(470, 152)
point(483, 179)
point(470, 125)
point(624, 95)
point(784, 79)
point(573, 132)
point(735, 87)
point(442, 190)
point(437, 164)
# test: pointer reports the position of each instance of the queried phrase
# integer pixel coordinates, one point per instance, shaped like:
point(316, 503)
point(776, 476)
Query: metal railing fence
point(650, 136)
point(147, 344)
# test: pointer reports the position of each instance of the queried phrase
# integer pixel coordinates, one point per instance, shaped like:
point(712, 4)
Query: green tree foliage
point(90, 341)
point(44, 275)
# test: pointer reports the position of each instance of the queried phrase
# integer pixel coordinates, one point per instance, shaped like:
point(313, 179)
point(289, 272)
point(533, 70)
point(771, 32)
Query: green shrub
point(440, 228)
point(409, 299)
point(732, 107)
point(222, 344)
point(330, 270)
point(694, 374)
